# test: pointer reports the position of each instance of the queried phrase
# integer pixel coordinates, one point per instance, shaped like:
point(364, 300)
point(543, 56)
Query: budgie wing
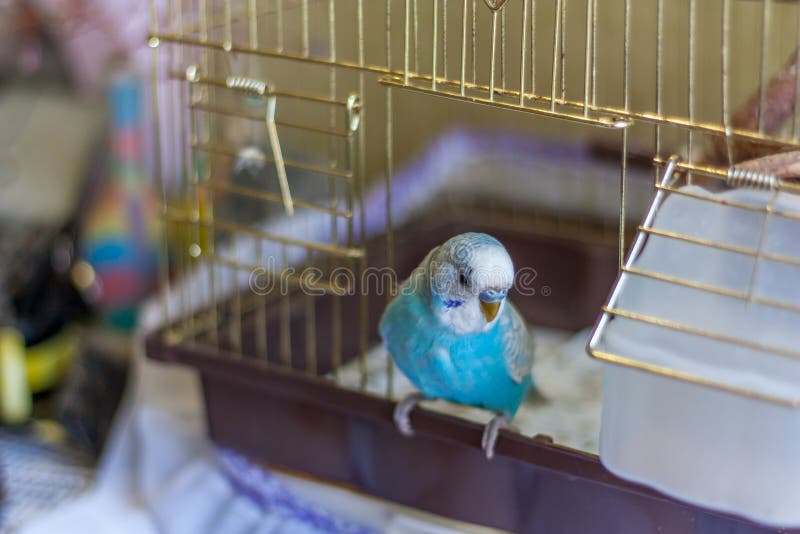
point(517, 344)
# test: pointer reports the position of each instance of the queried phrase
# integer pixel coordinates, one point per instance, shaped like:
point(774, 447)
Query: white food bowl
point(701, 336)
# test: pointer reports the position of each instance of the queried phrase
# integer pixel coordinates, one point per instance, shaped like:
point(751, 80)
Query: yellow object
point(16, 404)
point(184, 235)
point(46, 362)
point(24, 372)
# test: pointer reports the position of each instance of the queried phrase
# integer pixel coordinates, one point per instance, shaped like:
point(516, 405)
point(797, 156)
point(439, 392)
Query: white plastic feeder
point(701, 336)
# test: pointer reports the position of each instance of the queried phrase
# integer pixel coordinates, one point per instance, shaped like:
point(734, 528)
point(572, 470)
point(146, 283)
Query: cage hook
point(277, 154)
point(262, 88)
point(353, 112)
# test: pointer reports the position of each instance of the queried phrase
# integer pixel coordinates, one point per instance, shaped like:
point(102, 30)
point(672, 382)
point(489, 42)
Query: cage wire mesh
point(291, 108)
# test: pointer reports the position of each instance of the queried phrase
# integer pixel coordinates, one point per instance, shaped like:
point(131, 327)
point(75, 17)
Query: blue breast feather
point(463, 368)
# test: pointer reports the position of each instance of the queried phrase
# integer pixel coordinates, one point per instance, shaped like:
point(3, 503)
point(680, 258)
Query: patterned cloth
point(271, 494)
point(35, 477)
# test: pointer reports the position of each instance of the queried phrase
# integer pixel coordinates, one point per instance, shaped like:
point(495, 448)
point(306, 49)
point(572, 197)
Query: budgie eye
point(463, 279)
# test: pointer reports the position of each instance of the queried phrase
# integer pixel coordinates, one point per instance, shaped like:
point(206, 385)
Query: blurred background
point(77, 237)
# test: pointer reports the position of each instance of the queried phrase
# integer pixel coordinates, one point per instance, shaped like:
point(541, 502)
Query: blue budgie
point(453, 333)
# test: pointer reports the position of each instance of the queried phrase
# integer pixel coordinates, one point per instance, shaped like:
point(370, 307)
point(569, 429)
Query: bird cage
point(283, 135)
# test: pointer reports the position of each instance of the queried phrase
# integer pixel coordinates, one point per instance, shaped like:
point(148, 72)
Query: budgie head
point(469, 275)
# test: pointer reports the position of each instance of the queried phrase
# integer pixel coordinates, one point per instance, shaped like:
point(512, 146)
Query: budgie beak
point(490, 300)
point(489, 310)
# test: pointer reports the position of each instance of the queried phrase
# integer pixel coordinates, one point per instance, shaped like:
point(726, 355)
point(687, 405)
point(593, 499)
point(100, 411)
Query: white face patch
point(460, 270)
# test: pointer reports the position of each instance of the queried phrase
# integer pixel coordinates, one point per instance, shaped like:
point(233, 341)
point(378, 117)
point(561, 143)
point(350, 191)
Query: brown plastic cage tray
point(304, 424)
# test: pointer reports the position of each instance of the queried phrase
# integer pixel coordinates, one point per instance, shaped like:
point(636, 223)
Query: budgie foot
point(492, 430)
point(402, 413)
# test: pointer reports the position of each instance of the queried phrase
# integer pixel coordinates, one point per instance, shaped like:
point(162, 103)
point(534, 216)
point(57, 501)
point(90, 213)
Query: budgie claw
point(491, 431)
point(402, 413)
